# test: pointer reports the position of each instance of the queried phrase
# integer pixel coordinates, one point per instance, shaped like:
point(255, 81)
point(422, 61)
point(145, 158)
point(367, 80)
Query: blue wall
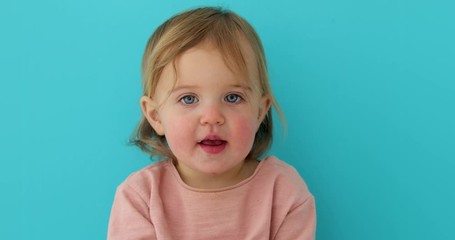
point(367, 88)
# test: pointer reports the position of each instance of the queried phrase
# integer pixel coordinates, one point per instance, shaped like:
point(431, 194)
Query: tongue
point(212, 142)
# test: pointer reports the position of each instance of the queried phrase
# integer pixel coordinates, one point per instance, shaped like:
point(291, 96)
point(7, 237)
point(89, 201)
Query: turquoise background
point(367, 88)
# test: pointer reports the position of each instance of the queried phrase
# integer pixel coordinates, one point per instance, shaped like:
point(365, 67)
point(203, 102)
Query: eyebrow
point(175, 89)
point(242, 86)
point(245, 87)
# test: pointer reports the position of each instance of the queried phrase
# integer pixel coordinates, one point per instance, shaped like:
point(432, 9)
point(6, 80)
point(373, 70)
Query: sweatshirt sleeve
point(130, 219)
point(300, 222)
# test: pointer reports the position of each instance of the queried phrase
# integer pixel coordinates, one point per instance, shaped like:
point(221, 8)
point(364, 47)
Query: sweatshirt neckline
point(193, 189)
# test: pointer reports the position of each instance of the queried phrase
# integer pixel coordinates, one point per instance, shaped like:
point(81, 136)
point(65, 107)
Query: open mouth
point(212, 142)
point(212, 145)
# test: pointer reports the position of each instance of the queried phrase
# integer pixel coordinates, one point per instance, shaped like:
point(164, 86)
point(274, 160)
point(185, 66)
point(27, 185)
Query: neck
point(216, 181)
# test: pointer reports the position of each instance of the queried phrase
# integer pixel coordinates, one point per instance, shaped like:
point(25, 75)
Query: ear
point(150, 110)
point(264, 107)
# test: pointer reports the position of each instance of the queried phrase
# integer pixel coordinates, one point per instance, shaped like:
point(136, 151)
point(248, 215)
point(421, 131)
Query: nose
point(212, 115)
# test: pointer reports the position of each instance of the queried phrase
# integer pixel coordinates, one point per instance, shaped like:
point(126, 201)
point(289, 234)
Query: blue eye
point(188, 99)
point(233, 98)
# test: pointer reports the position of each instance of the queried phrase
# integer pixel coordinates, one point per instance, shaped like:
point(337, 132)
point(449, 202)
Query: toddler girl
point(207, 113)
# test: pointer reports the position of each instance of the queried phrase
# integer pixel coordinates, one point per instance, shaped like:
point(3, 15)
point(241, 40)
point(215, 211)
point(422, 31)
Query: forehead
point(205, 60)
point(208, 60)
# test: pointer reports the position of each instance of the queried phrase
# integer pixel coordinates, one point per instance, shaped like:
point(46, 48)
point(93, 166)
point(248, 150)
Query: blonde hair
point(225, 30)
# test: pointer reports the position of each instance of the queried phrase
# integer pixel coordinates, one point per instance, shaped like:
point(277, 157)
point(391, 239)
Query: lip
point(212, 144)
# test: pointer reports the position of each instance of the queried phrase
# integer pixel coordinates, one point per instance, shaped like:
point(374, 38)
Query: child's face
point(211, 114)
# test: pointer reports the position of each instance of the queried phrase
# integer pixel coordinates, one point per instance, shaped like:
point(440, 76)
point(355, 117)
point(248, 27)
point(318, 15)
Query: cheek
point(179, 134)
point(245, 131)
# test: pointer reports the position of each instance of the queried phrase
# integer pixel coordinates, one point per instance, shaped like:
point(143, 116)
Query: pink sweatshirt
point(154, 203)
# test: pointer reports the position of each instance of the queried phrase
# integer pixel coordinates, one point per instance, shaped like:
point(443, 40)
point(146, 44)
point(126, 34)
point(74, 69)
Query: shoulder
point(286, 179)
point(278, 164)
point(281, 169)
point(293, 206)
point(144, 181)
